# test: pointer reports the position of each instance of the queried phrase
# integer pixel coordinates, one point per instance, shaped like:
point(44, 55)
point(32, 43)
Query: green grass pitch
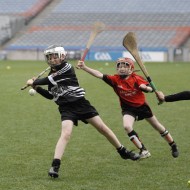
point(30, 127)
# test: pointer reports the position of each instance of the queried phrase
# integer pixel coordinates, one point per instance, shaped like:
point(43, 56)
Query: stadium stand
point(158, 23)
point(4, 29)
point(14, 15)
point(25, 8)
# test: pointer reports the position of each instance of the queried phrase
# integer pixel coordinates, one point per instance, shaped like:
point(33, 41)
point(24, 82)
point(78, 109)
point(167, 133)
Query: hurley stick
point(98, 27)
point(130, 43)
point(24, 87)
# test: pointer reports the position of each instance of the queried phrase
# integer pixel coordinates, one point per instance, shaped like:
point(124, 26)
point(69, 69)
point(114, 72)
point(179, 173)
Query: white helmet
point(57, 50)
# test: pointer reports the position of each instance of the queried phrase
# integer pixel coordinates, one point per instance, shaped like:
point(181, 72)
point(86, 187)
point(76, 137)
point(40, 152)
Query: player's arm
point(89, 70)
point(184, 95)
point(34, 82)
point(43, 81)
point(45, 93)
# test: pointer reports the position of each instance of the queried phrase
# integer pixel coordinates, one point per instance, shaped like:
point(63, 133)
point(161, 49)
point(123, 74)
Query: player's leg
point(66, 132)
point(165, 134)
point(108, 133)
point(128, 121)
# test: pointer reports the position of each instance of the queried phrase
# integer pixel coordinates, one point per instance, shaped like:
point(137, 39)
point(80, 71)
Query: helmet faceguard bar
point(124, 63)
point(55, 51)
point(51, 55)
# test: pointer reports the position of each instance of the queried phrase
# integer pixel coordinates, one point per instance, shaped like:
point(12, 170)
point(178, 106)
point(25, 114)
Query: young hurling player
point(184, 95)
point(130, 87)
point(64, 89)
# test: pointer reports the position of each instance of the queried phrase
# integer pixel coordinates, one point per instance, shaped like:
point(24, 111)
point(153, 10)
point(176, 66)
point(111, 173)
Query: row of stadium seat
point(78, 39)
point(123, 6)
point(158, 24)
point(116, 19)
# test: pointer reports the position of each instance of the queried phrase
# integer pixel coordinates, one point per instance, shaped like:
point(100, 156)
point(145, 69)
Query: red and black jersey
point(127, 89)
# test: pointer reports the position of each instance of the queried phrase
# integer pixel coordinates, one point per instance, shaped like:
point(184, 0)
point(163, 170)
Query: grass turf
point(30, 127)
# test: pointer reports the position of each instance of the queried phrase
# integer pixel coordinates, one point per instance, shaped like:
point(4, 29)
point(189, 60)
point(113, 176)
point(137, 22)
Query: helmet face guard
point(127, 62)
point(54, 52)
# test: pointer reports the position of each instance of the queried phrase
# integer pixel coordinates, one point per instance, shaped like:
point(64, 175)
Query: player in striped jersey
point(64, 89)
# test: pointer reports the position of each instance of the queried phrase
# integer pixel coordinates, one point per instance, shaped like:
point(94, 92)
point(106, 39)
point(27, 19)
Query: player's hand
point(30, 82)
point(160, 95)
point(80, 64)
point(33, 78)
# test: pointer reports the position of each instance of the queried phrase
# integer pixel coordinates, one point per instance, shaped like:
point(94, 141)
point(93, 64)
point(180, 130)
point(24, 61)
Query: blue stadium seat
point(157, 23)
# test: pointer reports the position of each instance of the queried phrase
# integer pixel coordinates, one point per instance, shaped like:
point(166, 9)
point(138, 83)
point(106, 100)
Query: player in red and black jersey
point(130, 87)
point(184, 95)
point(64, 89)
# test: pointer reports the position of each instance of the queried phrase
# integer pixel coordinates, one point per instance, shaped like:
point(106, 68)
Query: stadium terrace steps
point(15, 14)
point(158, 23)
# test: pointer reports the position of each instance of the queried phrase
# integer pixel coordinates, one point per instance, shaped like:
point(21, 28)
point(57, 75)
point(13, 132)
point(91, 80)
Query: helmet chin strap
point(58, 66)
point(55, 65)
point(126, 75)
point(123, 76)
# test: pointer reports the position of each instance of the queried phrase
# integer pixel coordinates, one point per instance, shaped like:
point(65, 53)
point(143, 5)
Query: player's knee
point(65, 136)
point(128, 128)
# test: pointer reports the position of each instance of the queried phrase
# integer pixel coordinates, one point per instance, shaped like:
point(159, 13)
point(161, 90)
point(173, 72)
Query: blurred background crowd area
point(162, 28)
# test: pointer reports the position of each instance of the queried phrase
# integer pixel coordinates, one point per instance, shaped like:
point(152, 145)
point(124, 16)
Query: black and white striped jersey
point(63, 84)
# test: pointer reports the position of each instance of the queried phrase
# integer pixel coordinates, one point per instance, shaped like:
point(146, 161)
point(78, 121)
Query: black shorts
point(78, 110)
point(139, 113)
